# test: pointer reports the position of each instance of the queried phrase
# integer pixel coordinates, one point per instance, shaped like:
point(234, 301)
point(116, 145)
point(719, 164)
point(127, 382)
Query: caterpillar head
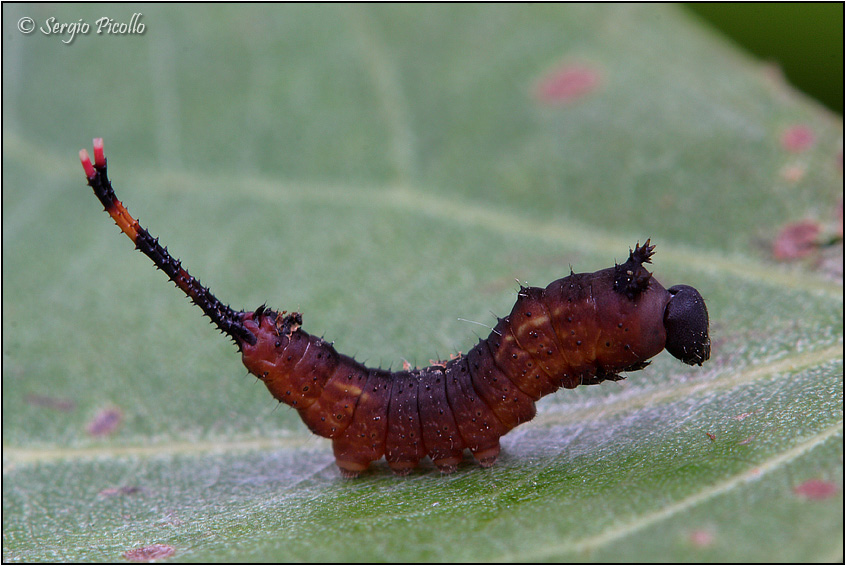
point(686, 323)
point(685, 314)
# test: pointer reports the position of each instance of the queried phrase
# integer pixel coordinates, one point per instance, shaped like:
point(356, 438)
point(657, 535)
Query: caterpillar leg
point(487, 456)
point(364, 440)
point(404, 447)
point(350, 469)
point(441, 436)
point(350, 458)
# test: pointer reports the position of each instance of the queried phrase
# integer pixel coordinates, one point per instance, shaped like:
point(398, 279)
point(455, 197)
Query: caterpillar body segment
point(580, 330)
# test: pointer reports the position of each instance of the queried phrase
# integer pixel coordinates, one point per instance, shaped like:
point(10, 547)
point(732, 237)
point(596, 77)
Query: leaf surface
point(387, 170)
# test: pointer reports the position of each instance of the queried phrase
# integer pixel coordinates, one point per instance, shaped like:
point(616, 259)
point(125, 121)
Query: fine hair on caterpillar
point(583, 329)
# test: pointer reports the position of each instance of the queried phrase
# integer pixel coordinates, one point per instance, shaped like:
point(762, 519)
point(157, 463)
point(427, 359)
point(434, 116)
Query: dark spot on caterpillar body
point(580, 330)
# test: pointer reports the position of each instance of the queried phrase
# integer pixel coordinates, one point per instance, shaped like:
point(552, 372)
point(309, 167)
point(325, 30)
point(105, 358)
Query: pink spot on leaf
point(796, 240)
point(701, 538)
point(149, 553)
point(797, 138)
point(105, 422)
point(567, 83)
point(816, 489)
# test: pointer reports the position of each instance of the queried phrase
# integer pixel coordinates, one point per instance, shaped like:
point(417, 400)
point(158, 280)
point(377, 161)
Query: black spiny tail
point(224, 317)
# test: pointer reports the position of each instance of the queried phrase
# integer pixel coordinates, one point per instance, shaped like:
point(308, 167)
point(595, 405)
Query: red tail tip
point(86, 164)
point(99, 157)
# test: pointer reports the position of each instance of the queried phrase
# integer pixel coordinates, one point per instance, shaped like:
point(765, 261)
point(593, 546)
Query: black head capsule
point(686, 323)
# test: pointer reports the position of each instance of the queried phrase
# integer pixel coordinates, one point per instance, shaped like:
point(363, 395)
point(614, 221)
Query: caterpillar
point(583, 329)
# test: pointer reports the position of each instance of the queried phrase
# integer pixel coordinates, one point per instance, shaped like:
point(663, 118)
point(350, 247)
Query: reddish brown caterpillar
point(580, 330)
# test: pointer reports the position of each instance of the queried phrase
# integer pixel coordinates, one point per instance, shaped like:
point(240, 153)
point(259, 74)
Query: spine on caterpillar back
point(582, 329)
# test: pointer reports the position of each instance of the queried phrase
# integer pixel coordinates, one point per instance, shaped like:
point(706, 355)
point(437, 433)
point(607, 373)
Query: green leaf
point(386, 170)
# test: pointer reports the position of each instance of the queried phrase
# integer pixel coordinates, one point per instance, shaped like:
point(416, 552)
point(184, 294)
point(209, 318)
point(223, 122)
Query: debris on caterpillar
point(580, 330)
